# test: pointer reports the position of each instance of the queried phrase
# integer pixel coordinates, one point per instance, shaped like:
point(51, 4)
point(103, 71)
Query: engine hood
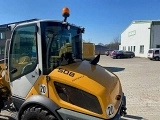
point(93, 79)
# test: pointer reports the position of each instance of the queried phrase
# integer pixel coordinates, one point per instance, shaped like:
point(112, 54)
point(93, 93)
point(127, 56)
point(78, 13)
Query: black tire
point(37, 113)
point(156, 58)
point(1, 103)
point(118, 57)
point(131, 56)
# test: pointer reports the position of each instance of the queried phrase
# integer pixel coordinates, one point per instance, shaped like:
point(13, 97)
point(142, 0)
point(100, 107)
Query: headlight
point(78, 97)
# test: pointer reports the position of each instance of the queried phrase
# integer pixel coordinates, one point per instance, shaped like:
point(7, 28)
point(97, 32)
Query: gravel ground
point(140, 79)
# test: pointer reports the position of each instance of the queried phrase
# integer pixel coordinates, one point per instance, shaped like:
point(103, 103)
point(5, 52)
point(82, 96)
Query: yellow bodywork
point(93, 79)
point(3, 78)
point(4, 84)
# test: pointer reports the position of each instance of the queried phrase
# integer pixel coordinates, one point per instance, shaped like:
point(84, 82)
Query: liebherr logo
point(67, 72)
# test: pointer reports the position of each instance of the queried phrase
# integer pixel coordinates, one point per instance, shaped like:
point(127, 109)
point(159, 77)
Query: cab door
point(23, 61)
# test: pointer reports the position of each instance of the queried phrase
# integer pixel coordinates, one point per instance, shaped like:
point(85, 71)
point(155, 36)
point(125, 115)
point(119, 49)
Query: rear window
point(150, 51)
point(120, 52)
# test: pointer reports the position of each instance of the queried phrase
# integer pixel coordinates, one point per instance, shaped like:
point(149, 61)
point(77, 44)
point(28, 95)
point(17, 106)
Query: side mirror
point(80, 30)
point(95, 60)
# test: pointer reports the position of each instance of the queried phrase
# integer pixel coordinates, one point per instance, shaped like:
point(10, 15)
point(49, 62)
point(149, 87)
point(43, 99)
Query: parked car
point(154, 54)
point(123, 54)
point(113, 52)
point(108, 52)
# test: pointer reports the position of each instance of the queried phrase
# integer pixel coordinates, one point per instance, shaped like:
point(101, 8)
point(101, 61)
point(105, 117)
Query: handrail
point(2, 60)
point(6, 58)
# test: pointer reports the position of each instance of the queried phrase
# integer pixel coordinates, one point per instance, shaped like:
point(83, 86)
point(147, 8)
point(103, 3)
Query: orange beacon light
point(65, 13)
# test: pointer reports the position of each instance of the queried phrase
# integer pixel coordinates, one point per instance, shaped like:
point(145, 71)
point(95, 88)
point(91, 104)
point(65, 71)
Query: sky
point(103, 20)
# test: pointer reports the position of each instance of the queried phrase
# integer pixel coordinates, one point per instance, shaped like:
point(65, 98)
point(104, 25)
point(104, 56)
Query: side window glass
point(157, 52)
point(23, 54)
point(120, 52)
point(59, 46)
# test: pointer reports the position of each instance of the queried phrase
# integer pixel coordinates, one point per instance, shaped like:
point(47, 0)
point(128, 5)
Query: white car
point(154, 54)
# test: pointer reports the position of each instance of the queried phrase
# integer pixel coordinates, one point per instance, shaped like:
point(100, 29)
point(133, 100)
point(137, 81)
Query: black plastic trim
point(17, 101)
point(123, 103)
point(42, 101)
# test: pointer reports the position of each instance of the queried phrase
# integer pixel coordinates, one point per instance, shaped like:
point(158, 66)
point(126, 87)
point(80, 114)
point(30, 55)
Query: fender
point(42, 101)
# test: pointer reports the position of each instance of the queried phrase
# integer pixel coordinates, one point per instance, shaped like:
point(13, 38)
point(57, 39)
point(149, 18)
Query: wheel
point(156, 58)
point(37, 113)
point(131, 56)
point(118, 57)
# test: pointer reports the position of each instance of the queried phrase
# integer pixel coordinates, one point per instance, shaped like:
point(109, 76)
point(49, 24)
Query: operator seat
point(24, 60)
point(66, 53)
point(65, 49)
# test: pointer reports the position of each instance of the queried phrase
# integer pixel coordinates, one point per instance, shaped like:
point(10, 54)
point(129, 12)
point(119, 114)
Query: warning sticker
point(42, 89)
point(110, 110)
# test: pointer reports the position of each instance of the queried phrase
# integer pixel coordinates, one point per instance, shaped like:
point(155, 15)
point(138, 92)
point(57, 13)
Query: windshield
point(60, 43)
point(150, 51)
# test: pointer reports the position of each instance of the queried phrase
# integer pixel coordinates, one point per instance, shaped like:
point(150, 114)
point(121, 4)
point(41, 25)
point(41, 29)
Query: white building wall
point(155, 36)
point(135, 35)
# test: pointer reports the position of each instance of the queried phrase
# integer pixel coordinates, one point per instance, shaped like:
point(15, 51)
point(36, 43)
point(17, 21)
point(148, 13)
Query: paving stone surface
point(140, 79)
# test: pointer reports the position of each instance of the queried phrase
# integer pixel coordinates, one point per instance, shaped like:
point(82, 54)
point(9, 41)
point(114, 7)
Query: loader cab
point(37, 48)
point(61, 44)
point(47, 44)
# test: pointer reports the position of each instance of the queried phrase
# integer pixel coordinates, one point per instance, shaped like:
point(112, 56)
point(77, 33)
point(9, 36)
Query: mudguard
point(42, 101)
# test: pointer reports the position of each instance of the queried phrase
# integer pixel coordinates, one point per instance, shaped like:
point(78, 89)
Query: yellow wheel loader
point(46, 78)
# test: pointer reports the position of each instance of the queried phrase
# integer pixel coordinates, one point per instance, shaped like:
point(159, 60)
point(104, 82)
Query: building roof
point(4, 26)
point(153, 22)
point(145, 21)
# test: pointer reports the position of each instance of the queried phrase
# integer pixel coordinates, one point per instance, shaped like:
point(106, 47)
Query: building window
point(131, 33)
point(124, 48)
point(131, 48)
point(157, 46)
point(128, 48)
point(134, 48)
point(141, 49)
point(2, 35)
point(1, 50)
